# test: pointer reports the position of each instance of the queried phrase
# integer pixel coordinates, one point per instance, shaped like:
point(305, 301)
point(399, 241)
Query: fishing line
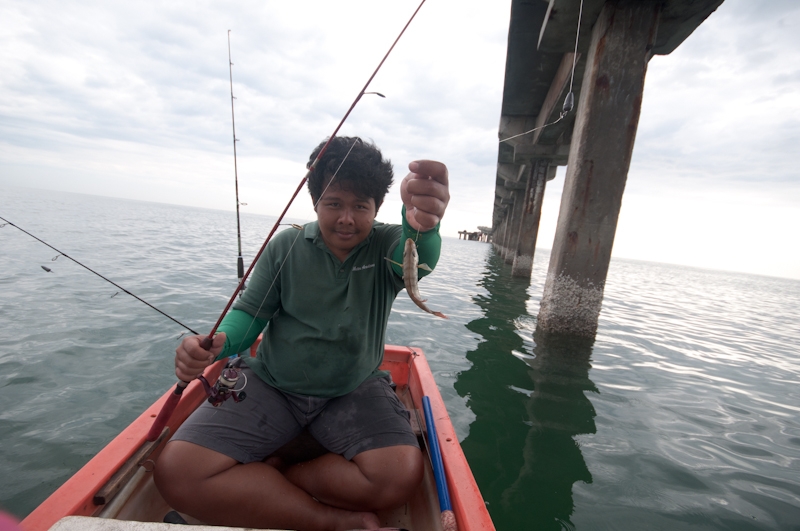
point(65, 255)
point(561, 117)
point(575, 53)
point(569, 100)
point(244, 375)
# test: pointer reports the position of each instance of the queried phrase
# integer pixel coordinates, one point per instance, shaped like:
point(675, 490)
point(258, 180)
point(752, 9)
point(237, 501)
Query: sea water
point(683, 413)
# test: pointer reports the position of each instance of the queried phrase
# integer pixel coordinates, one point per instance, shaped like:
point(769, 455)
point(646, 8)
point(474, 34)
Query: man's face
point(345, 219)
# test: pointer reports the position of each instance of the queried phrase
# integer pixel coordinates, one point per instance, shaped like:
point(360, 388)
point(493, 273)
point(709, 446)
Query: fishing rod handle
point(166, 412)
point(206, 342)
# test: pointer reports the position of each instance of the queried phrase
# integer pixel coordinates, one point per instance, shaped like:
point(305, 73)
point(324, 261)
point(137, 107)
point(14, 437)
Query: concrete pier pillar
point(507, 228)
point(514, 221)
point(509, 202)
point(529, 224)
point(600, 153)
point(500, 234)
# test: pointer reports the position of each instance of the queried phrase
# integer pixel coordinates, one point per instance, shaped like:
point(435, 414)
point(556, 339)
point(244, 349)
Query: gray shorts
point(368, 418)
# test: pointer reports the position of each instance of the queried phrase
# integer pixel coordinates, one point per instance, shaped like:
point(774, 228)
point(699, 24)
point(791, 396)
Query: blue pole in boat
point(448, 517)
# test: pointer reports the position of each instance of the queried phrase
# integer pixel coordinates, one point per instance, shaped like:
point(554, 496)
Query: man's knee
point(183, 466)
point(168, 475)
point(394, 472)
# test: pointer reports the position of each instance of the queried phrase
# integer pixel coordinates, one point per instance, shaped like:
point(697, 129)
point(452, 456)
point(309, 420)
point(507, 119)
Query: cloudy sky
point(132, 100)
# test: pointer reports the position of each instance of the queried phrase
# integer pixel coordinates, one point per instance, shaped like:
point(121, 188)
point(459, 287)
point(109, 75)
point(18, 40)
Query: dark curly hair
point(364, 172)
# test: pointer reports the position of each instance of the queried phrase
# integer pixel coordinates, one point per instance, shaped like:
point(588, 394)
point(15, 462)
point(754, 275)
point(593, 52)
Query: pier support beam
point(531, 213)
point(514, 220)
point(600, 154)
point(508, 204)
point(500, 231)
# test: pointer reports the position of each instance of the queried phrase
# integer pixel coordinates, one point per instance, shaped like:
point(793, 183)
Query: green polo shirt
point(324, 321)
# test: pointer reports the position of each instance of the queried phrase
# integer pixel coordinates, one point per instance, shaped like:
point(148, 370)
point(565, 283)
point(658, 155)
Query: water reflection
point(528, 395)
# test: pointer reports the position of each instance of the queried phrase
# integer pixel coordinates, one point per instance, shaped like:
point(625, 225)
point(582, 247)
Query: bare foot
point(359, 521)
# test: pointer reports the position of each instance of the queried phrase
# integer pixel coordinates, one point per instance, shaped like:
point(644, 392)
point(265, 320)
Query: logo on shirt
point(361, 268)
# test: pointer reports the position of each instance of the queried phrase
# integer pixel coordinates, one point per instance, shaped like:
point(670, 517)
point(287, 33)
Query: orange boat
point(115, 489)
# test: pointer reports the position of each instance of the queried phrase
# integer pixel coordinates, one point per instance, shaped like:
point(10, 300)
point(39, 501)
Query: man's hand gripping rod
point(172, 402)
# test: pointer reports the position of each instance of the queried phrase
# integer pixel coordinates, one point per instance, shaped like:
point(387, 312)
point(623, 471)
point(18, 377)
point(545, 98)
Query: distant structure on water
point(483, 234)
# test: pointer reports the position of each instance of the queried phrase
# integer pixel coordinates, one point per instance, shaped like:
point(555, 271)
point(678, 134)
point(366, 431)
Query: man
point(322, 297)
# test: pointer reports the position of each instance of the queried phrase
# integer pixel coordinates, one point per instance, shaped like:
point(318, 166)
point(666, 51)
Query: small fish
point(47, 269)
point(411, 279)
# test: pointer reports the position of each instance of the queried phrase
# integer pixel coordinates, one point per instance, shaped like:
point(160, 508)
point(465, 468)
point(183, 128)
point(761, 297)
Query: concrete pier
point(594, 139)
point(600, 154)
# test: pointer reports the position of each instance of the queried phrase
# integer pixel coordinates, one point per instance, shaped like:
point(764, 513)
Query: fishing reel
point(223, 389)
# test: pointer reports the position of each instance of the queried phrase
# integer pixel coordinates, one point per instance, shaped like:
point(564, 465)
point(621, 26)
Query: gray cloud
point(140, 91)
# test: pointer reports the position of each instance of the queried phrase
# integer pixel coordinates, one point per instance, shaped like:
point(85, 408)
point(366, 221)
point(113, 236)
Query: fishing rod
point(435, 454)
point(172, 401)
point(65, 255)
point(239, 261)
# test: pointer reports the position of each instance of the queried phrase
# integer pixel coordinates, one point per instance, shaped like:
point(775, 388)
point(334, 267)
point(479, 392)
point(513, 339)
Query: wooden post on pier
point(599, 158)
